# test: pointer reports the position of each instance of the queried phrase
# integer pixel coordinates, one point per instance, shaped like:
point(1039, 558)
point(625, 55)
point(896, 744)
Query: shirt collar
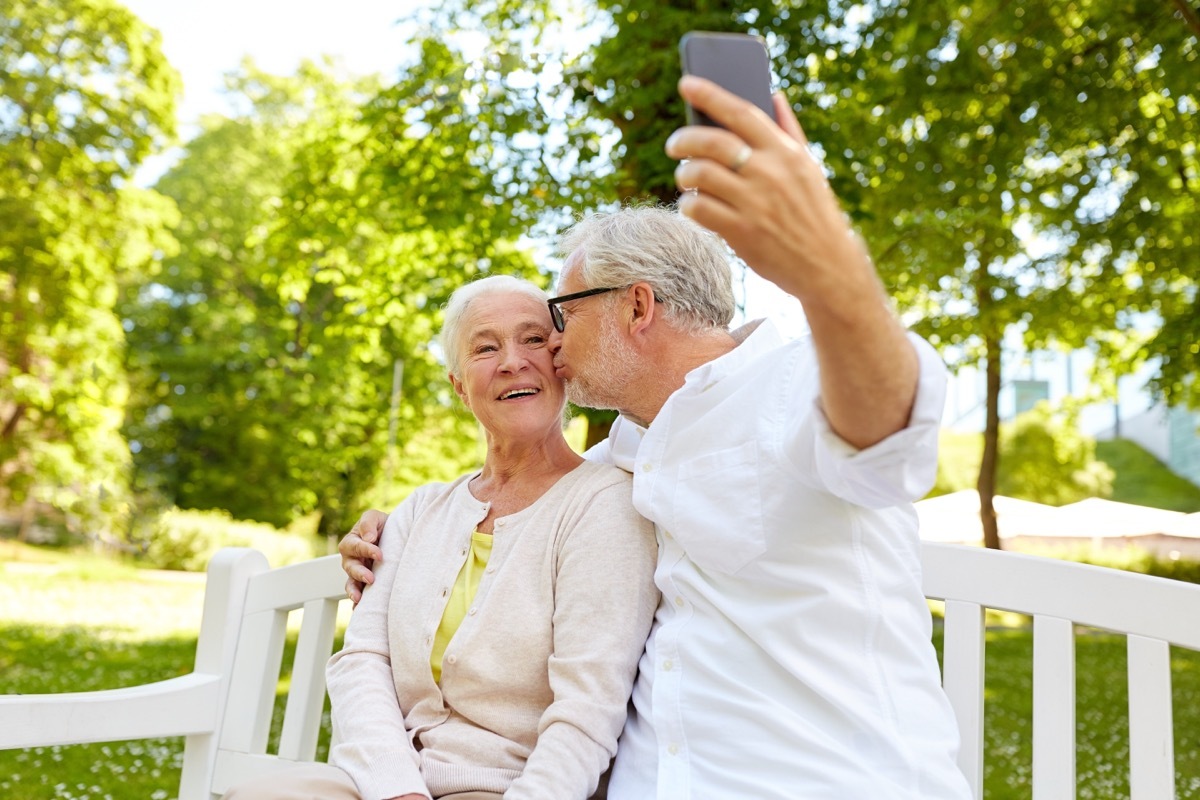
point(753, 340)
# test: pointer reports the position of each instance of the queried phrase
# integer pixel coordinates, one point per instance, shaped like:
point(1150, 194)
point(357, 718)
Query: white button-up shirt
point(791, 654)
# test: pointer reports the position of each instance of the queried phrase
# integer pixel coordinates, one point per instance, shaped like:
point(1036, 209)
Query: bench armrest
point(175, 707)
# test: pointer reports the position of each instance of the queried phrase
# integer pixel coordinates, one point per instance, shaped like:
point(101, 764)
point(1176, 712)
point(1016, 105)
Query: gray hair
point(688, 266)
point(450, 337)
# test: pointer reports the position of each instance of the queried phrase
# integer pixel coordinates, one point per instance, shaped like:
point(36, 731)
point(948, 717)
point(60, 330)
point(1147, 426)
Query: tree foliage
point(1032, 166)
point(322, 230)
point(1029, 167)
point(85, 95)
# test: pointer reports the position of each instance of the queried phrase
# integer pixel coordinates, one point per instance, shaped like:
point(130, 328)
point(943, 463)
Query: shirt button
point(445, 592)
point(673, 749)
point(472, 611)
point(679, 601)
point(668, 665)
point(647, 467)
point(452, 659)
point(490, 570)
point(462, 552)
point(428, 640)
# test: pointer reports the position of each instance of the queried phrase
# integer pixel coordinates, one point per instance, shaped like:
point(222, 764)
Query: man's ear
point(458, 389)
point(644, 311)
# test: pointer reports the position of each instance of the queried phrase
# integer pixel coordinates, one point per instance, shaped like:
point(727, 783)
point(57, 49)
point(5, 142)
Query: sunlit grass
point(70, 622)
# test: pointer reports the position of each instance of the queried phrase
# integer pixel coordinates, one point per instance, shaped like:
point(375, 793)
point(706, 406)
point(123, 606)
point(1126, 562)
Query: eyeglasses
point(556, 314)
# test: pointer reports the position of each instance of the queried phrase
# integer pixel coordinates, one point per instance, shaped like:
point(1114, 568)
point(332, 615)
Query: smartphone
point(737, 62)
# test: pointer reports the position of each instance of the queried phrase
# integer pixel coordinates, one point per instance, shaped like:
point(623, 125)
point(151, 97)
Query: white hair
point(450, 337)
point(687, 265)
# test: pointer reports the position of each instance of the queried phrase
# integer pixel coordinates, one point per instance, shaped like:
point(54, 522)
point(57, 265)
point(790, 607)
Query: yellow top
point(461, 598)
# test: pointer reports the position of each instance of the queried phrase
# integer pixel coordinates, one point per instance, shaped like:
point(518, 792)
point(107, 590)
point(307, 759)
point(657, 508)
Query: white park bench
point(224, 706)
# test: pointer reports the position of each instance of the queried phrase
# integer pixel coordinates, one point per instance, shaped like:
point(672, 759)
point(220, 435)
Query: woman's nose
point(511, 359)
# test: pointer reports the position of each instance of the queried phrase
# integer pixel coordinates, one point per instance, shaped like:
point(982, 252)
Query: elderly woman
point(494, 654)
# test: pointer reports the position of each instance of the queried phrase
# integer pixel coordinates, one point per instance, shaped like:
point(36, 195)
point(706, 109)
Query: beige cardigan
point(536, 680)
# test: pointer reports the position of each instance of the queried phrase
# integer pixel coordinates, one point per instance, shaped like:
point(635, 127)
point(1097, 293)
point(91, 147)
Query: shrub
point(186, 540)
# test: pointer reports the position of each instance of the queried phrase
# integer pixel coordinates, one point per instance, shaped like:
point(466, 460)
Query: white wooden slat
point(1053, 708)
point(230, 571)
point(255, 677)
point(1088, 595)
point(1151, 736)
point(175, 707)
point(963, 657)
point(306, 697)
point(288, 588)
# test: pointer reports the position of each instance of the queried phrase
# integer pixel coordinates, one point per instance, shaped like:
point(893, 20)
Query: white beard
point(610, 372)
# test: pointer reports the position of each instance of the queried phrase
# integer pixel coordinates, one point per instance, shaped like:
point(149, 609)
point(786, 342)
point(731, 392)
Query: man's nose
point(555, 342)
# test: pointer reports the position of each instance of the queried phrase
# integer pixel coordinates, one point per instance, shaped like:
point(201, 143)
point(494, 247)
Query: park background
point(217, 307)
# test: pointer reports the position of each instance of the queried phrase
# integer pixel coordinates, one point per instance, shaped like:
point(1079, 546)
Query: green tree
point(1025, 169)
point(323, 230)
point(1048, 460)
point(85, 96)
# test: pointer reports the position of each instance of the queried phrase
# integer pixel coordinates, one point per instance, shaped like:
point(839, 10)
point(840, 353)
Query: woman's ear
point(458, 389)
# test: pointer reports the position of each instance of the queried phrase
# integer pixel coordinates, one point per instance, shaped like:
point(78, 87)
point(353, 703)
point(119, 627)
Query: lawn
point(71, 622)
point(1144, 480)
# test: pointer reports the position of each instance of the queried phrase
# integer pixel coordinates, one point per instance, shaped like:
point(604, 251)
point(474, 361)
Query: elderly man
point(790, 654)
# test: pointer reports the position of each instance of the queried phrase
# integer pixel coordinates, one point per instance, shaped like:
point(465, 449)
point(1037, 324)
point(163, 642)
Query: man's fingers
point(353, 547)
point(736, 114)
point(353, 591)
point(360, 572)
point(370, 525)
point(787, 120)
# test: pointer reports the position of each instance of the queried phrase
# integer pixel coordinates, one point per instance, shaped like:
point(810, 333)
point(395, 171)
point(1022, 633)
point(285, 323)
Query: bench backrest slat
point(306, 698)
point(257, 666)
point(1053, 708)
point(963, 676)
point(1151, 735)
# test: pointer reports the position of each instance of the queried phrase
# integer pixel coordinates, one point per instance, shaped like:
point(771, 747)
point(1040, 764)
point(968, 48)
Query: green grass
point(1144, 480)
point(76, 623)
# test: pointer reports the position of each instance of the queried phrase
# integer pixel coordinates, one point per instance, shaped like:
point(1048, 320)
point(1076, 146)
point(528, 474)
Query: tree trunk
point(597, 430)
point(991, 446)
point(27, 509)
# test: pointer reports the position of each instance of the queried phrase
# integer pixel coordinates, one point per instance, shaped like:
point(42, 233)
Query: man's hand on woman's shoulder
point(360, 550)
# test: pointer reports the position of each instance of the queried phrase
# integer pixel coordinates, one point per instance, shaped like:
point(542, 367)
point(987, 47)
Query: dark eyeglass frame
point(556, 314)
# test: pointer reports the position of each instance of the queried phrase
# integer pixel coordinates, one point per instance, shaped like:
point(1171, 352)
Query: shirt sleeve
point(373, 745)
point(604, 602)
point(899, 469)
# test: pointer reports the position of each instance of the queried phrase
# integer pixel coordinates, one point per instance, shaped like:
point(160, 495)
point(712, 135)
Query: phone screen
point(737, 62)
